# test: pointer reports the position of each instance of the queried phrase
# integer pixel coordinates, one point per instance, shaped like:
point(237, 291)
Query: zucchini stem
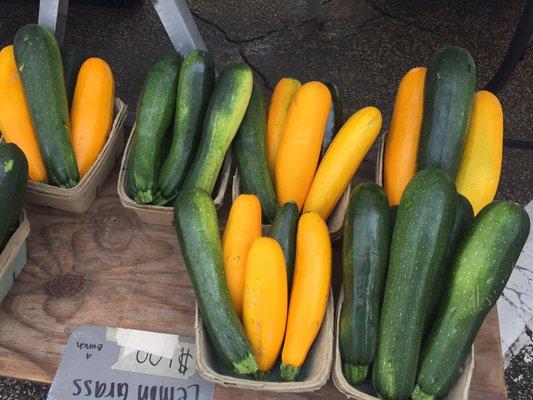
point(246, 366)
point(289, 372)
point(355, 374)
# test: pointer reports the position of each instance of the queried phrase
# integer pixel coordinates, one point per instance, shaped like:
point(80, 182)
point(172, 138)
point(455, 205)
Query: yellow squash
point(91, 113)
point(242, 228)
point(481, 162)
point(343, 157)
point(264, 308)
point(399, 164)
point(301, 141)
point(277, 114)
point(15, 120)
point(309, 294)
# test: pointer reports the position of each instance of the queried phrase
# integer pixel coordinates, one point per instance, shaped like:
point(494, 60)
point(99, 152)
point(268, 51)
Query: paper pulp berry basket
point(13, 257)
point(334, 221)
point(365, 391)
point(163, 215)
point(79, 198)
point(314, 374)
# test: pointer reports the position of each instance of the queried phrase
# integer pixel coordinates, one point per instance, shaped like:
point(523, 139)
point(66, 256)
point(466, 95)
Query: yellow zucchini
point(342, 158)
point(309, 294)
point(265, 298)
point(481, 162)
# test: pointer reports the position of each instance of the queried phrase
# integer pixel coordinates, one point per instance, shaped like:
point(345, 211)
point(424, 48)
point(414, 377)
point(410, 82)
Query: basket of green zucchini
point(71, 132)
point(420, 276)
point(14, 225)
point(186, 120)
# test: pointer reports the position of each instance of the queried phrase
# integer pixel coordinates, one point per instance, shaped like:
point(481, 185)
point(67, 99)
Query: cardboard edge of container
point(163, 215)
point(320, 357)
point(335, 221)
point(459, 390)
point(13, 256)
point(79, 198)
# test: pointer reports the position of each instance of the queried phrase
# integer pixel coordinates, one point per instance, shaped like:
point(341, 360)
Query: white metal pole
point(53, 15)
point(179, 24)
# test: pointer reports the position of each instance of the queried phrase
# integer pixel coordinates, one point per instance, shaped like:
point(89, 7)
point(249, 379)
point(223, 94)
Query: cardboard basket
point(163, 215)
point(314, 374)
point(79, 198)
point(380, 158)
point(335, 220)
point(13, 257)
point(365, 391)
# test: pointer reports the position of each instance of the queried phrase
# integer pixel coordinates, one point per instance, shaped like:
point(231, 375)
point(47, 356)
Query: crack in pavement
point(255, 69)
point(253, 38)
point(404, 21)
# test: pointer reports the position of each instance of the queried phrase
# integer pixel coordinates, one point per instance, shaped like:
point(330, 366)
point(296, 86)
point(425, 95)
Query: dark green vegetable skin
point(195, 220)
point(484, 262)
point(41, 71)
point(195, 84)
point(154, 116)
point(73, 58)
point(334, 122)
point(365, 251)
point(448, 97)
point(13, 179)
point(224, 114)
point(249, 148)
point(464, 216)
point(283, 229)
point(421, 235)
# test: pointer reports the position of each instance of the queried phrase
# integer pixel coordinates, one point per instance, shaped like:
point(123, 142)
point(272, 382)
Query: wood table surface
point(106, 267)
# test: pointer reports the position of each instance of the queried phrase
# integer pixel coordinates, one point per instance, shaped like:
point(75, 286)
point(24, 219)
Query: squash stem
point(355, 374)
point(262, 375)
point(246, 366)
point(419, 394)
point(289, 372)
point(144, 197)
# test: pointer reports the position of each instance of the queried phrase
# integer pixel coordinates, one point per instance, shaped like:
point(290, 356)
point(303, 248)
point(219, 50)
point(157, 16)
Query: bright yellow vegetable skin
point(277, 114)
point(264, 308)
point(343, 157)
point(242, 228)
point(301, 140)
point(309, 294)
point(399, 163)
point(91, 113)
point(15, 120)
point(479, 171)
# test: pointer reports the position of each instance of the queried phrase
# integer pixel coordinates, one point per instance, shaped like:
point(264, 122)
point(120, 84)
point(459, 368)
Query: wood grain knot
point(65, 285)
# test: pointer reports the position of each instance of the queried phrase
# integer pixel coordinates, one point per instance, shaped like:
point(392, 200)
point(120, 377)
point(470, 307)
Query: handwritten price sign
point(111, 363)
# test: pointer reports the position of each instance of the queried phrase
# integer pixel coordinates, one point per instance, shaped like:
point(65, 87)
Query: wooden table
point(106, 267)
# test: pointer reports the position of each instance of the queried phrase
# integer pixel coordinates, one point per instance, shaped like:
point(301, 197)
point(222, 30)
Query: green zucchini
point(41, 71)
point(464, 216)
point(249, 148)
point(334, 122)
point(195, 220)
point(479, 274)
point(421, 235)
point(13, 179)
point(448, 98)
point(224, 114)
point(154, 116)
point(195, 84)
point(365, 250)
point(72, 57)
point(283, 229)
